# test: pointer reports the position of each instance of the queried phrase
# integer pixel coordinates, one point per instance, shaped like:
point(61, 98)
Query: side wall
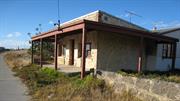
point(117, 52)
point(165, 64)
point(90, 61)
point(162, 64)
point(176, 34)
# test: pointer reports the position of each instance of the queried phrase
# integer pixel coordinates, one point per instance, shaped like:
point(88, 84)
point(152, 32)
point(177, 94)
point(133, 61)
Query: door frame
point(71, 52)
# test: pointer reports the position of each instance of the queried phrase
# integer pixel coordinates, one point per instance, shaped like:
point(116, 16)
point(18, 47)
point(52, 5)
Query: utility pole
point(58, 17)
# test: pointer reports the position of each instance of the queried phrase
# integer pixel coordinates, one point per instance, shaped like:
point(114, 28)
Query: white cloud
point(14, 43)
point(10, 35)
point(162, 24)
point(17, 34)
point(14, 34)
point(51, 22)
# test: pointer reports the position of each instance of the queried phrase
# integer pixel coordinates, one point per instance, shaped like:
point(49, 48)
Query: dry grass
point(17, 59)
point(61, 87)
point(170, 76)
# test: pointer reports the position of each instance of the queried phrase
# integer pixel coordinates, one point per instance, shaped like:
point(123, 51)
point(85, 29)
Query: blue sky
point(18, 17)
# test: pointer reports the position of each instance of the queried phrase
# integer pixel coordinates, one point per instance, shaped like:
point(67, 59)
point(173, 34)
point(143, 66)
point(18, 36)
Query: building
point(101, 41)
point(2, 49)
point(165, 52)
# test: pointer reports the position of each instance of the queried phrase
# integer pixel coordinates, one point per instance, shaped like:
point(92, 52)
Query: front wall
point(90, 61)
point(117, 52)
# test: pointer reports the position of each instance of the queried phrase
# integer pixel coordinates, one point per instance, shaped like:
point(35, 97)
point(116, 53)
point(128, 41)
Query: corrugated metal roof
point(87, 17)
point(167, 30)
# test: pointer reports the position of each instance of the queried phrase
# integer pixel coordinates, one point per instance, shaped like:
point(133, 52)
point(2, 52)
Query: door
point(71, 53)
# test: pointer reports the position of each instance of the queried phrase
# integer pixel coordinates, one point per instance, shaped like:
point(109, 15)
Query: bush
point(88, 82)
point(46, 76)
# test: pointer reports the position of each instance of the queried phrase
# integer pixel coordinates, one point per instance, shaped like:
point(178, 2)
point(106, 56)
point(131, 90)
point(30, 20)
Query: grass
point(46, 84)
point(170, 76)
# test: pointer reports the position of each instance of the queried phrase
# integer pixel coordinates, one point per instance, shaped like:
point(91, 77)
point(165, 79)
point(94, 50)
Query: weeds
point(46, 84)
point(171, 76)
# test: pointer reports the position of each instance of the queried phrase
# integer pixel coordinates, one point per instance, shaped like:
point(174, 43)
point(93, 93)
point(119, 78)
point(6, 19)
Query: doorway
point(71, 52)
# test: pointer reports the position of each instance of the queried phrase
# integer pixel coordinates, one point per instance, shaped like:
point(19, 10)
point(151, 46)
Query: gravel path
point(11, 87)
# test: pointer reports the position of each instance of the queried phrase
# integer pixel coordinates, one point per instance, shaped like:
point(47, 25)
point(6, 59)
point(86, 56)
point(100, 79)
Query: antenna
point(131, 13)
point(58, 14)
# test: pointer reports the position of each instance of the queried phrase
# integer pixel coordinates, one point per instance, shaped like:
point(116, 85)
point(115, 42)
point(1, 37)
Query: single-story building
point(102, 41)
point(164, 51)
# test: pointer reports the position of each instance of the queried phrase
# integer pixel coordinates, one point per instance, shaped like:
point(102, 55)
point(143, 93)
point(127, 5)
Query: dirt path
point(11, 88)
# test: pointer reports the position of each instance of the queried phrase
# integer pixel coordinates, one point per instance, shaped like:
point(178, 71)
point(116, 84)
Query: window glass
point(88, 49)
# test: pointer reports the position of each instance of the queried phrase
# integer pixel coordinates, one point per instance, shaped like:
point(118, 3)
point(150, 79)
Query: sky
point(19, 17)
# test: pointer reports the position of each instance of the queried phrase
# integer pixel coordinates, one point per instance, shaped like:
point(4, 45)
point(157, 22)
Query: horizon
point(19, 17)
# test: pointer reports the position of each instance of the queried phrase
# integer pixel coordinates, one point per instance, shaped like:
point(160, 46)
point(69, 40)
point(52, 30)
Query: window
point(167, 51)
point(88, 49)
point(79, 50)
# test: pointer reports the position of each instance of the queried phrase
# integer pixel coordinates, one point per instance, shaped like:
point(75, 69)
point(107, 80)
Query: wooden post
point(41, 52)
point(139, 68)
point(55, 52)
point(32, 52)
point(83, 58)
point(174, 56)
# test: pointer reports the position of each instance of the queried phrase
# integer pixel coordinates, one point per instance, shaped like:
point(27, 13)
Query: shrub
point(46, 76)
point(89, 81)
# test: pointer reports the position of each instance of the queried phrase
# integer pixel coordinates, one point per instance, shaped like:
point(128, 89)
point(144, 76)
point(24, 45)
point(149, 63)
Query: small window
point(79, 50)
point(88, 49)
point(167, 51)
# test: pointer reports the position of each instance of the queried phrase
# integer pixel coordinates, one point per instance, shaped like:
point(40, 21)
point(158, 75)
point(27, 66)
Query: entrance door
point(71, 53)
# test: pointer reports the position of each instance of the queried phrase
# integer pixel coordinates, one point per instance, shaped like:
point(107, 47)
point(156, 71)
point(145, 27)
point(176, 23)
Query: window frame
point(88, 52)
point(167, 51)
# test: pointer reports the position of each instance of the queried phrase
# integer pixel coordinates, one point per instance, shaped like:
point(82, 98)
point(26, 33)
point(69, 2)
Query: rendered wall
point(162, 64)
point(165, 64)
point(176, 34)
point(117, 52)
